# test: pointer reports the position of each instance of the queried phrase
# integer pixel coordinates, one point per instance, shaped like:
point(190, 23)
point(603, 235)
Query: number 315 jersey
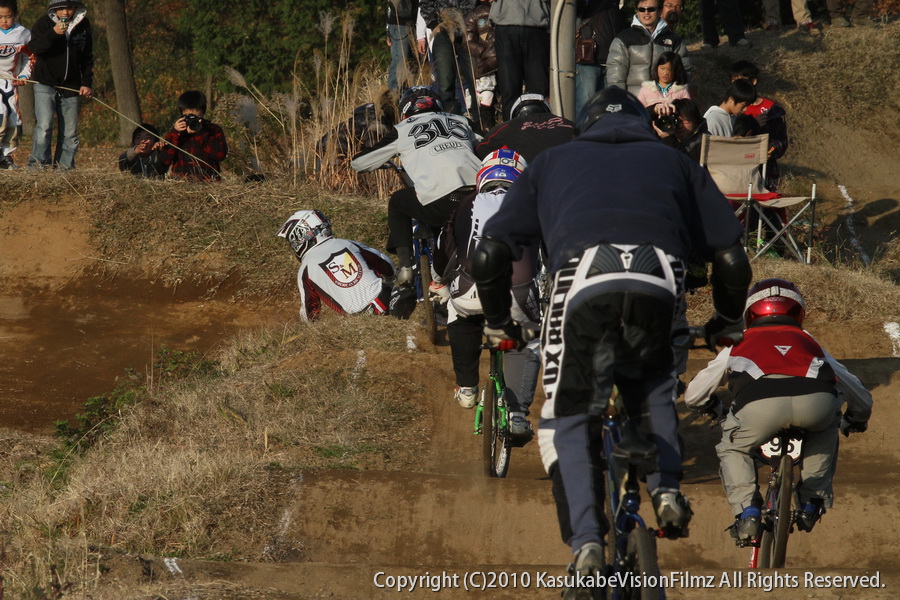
point(347, 276)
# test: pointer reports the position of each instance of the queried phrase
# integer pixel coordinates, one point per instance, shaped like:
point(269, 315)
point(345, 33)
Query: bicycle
point(782, 453)
point(631, 545)
point(491, 415)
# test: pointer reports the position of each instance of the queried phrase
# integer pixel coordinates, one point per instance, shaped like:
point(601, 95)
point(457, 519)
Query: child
point(15, 68)
point(739, 96)
point(669, 82)
point(465, 319)
point(771, 117)
point(62, 44)
point(144, 158)
point(201, 145)
point(348, 276)
point(779, 377)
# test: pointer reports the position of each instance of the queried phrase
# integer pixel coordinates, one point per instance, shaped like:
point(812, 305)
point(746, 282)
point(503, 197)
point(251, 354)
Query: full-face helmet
point(610, 101)
point(419, 99)
point(499, 169)
point(774, 301)
point(529, 104)
point(304, 229)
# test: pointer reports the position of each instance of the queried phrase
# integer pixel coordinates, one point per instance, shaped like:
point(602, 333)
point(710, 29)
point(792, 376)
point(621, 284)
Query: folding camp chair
point(738, 166)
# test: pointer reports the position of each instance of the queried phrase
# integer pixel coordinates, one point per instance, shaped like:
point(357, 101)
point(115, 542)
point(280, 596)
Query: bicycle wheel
point(641, 565)
point(783, 514)
point(425, 273)
point(500, 437)
point(489, 407)
point(766, 541)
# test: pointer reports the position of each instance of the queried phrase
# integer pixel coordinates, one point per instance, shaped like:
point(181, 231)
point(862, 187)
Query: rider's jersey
point(347, 276)
point(436, 149)
point(773, 361)
point(15, 61)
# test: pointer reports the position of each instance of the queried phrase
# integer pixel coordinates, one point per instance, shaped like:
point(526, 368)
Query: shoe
point(809, 514)
point(707, 46)
point(743, 43)
point(840, 21)
point(771, 26)
point(868, 23)
point(467, 397)
point(673, 512)
point(810, 28)
point(403, 277)
point(746, 526)
point(589, 562)
point(520, 431)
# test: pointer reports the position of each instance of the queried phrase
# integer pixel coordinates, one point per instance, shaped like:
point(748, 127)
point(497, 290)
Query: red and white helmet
point(499, 168)
point(304, 229)
point(774, 301)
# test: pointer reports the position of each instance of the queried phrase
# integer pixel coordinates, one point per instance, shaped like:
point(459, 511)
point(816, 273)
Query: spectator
point(532, 129)
point(860, 12)
point(772, 120)
point(720, 119)
point(523, 48)
point(689, 129)
point(731, 18)
point(144, 158)
point(481, 39)
point(601, 21)
point(15, 67)
point(401, 19)
point(196, 146)
point(671, 12)
point(800, 8)
point(348, 276)
point(669, 82)
point(632, 52)
point(450, 60)
point(62, 43)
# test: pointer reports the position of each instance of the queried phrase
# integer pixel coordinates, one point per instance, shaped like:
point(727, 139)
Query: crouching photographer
point(683, 129)
point(198, 145)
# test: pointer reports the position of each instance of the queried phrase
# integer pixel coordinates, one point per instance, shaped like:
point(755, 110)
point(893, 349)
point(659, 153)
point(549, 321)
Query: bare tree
point(122, 68)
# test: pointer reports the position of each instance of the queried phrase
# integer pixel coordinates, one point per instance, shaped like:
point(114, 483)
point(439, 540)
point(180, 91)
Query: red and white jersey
point(15, 62)
point(345, 275)
point(776, 350)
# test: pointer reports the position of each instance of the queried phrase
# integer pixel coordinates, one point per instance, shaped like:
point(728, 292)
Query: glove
point(713, 408)
point(439, 292)
point(511, 331)
point(722, 331)
point(403, 302)
point(849, 424)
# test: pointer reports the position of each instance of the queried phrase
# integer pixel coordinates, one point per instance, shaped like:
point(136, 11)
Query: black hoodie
point(63, 60)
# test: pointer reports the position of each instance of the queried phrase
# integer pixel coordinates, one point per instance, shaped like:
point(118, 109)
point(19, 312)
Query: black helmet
point(529, 104)
point(419, 99)
point(608, 101)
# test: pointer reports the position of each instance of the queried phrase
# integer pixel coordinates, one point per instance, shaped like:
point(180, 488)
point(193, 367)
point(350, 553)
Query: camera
point(665, 123)
point(193, 122)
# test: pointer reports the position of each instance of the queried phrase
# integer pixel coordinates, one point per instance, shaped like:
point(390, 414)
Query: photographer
point(144, 157)
point(201, 144)
point(684, 129)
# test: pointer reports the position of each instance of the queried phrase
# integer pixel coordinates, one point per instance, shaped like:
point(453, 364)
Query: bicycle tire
point(641, 562)
point(489, 407)
point(500, 439)
point(425, 274)
point(766, 541)
point(783, 507)
point(611, 519)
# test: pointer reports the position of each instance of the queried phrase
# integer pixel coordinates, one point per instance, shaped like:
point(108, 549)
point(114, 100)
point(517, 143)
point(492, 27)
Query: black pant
point(523, 58)
point(452, 66)
point(403, 207)
point(731, 19)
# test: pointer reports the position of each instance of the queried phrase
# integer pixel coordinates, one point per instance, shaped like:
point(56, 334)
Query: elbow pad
point(731, 276)
point(492, 272)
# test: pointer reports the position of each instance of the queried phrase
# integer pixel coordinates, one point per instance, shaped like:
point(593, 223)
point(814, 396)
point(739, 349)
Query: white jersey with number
point(15, 62)
point(347, 276)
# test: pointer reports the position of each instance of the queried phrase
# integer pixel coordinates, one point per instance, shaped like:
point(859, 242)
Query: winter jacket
point(480, 36)
point(529, 135)
point(595, 189)
point(63, 60)
point(634, 52)
point(151, 166)
point(402, 12)
point(602, 21)
point(436, 151)
point(431, 9)
point(650, 93)
point(525, 13)
point(208, 145)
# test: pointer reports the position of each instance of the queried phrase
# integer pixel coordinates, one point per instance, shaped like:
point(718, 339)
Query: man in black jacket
point(62, 45)
point(451, 61)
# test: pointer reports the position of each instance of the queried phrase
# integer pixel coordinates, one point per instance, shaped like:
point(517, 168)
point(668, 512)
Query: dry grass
point(200, 466)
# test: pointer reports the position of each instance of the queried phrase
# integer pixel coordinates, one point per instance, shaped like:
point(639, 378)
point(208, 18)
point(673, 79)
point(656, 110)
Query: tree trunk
point(122, 68)
point(26, 107)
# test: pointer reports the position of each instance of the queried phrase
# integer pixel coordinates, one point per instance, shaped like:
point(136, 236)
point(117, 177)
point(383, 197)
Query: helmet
point(529, 104)
point(304, 229)
point(608, 101)
point(774, 301)
point(419, 99)
point(499, 168)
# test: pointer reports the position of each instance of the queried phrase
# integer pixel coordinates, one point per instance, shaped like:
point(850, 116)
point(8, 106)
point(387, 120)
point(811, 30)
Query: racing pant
point(609, 323)
point(757, 422)
point(404, 206)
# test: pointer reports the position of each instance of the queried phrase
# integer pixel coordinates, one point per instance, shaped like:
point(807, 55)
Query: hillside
point(282, 460)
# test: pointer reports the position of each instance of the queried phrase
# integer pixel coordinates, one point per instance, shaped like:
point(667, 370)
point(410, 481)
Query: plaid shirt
point(209, 145)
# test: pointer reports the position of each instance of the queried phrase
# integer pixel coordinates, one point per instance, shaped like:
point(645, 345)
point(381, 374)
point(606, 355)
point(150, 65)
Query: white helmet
point(304, 229)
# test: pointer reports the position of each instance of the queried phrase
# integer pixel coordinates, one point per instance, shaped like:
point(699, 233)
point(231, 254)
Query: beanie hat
point(57, 4)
